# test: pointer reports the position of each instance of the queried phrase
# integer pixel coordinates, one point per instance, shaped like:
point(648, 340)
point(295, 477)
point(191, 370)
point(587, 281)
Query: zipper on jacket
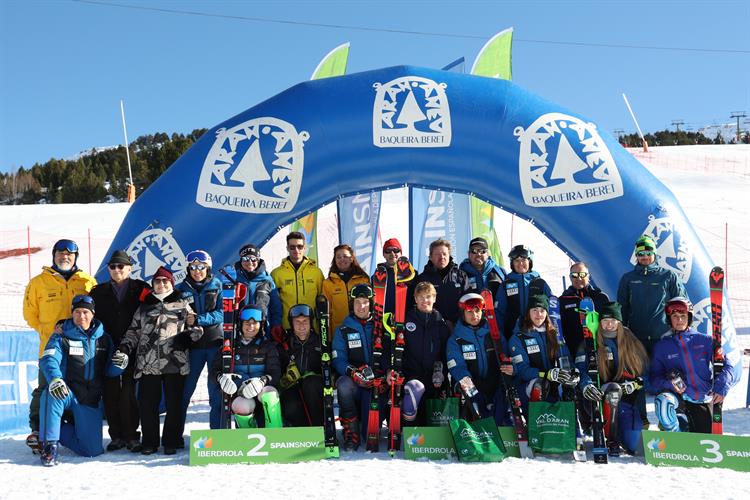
point(687, 362)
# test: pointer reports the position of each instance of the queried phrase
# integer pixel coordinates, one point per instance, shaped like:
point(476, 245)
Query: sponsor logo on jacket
point(254, 167)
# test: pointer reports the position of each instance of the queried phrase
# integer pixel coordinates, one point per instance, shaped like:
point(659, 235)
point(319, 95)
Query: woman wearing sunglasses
point(158, 338)
point(644, 291)
point(345, 273)
point(203, 291)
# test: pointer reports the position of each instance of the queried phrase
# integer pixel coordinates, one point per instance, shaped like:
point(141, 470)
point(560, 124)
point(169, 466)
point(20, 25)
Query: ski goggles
point(361, 290)
point(200, 256)
point(66, 246)
point(677, 307)
point(644, 253)
point(579, 275)
point(83, 301)
point(249, 313)
point(471, 301)
point(300, 310)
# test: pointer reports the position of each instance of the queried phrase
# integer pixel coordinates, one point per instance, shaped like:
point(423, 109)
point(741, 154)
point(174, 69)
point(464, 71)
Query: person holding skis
point(424, 371)
point(45, 303)
point(162, 330)
point(75, 362)
point(203, 291)
point(301, 382)
point(116, 303)
point(535, 352)
point(256, 373)
point(511, 301)
point(580, 287)
point(356, 366)
point(473, 363)
point(345, 273)
point(392, 252)
point(250, 269)
point(623, 365)
point(681, 375)
point(448, 279)
point(644, 291)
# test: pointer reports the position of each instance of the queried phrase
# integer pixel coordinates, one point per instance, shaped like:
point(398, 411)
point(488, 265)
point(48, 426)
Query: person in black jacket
point(570, 300)
point(116, 303)
point(448, 278)
point(424, 370)
point(302, 380)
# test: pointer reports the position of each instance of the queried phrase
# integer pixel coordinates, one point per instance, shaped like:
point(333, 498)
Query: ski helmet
point(363, 290)
point(299, 310)
point(67, 246)
point(679, 304)
point(470, 301)
point(251, 311)
point(521, 251)
point(199, 256)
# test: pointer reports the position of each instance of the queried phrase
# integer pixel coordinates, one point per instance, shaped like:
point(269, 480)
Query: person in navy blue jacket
point(358, 370)
point(75, 363)
point(426, 335)
point(623, 364)
point(473, 363)
point(511, 300)
point(256, 369)
point(480, 268)
point(681, 373)
point(201, 289)
point(534, 350)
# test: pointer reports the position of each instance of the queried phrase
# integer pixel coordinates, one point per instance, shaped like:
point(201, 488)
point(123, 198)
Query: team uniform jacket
point(470, 352)
point(569, 316)
point(352, 346)
point(512, 299)
point(337, 293)
point(257, 358)
point(450, 286)
point(206, 300)
point(297, 286)
point(426, 338)
point(261, 290)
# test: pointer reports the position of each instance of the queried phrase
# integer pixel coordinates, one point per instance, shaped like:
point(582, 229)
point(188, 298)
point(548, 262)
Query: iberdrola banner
point(359, 217)
point(690, 449)
point(438, 215)
point(333, 64)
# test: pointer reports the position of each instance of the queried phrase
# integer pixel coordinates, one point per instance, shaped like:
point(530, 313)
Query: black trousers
point(302, 405)
point(150, 397)
point(121, 407)
point(699, 416)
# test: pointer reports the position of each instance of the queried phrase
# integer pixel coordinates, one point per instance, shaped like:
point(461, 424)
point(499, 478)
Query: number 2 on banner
point(713, 449)
point(255, 452)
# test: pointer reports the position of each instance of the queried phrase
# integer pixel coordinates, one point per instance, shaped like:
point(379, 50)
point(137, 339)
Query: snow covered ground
point(710, 182)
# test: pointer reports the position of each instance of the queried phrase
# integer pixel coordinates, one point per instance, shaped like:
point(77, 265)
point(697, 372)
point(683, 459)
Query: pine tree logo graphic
point(673, 248)
point(254, 167)
point(563, 161)
point(156, 247)
point(411, 112)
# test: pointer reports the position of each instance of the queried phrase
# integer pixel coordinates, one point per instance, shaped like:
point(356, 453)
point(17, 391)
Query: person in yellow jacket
point(298, 278)
point(345, 274)
point(46, 301)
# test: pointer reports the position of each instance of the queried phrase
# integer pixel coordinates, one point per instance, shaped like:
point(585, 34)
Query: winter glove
point(58, 389)
point(278, 333)
point(228, 386)
point(252, 387)
point(362, 376)
point(291, 376)
point(592, 393)
point(120, 360)
point(564, 377)
point(438, 377)
point(630, 386)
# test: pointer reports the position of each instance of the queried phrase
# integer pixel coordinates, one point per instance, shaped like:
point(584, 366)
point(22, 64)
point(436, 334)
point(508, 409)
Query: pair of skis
point(329, 420)
point(233, 296)
point(394, 326)
point(716, 294)
point(520, 424)
point(588, 315)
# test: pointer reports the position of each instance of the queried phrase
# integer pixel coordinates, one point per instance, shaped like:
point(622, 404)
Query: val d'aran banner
point(359, 217)
point(333, 64)
point(266, 167)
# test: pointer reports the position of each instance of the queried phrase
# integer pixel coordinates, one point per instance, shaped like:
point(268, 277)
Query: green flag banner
point(256, 446)
point(333, 64)
point(482, 224)
point(494, 60)
point(436, 443)
point(689, 449)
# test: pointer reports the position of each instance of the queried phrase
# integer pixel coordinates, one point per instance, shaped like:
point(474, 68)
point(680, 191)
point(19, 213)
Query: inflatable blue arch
point(320, 140)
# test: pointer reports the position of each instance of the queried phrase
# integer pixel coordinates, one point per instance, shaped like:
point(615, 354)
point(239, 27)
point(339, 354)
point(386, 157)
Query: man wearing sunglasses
point(481, 269)
point(250, 269)
point(298, 277)
point(116, 303)
point(391, 252)
point(47, 301)
point(580, 287)
point(643, 293)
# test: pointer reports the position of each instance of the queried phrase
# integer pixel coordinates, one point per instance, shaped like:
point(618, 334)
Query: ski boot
point(351, 433)
point(32, 441)
point(613, 448)
point(49, 454)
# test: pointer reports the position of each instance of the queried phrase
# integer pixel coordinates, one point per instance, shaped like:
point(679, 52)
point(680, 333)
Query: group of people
point(140, 346)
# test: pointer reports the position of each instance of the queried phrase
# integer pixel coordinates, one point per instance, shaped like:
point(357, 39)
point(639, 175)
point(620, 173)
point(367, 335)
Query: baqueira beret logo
point(254, 167)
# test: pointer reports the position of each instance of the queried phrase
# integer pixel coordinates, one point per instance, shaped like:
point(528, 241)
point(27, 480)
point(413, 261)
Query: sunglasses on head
point(197, 267)
point(392, 250)
point(116, 266)
point(645, 253)
point(296, 247)
point(249, 258)
point(479, 251)
point(579, 275)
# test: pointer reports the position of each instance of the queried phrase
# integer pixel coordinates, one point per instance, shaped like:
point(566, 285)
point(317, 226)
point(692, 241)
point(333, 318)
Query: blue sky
point(65, 64)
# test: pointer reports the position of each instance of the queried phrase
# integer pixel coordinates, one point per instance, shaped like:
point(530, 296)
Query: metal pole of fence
point(28, 248)
point(89, 231)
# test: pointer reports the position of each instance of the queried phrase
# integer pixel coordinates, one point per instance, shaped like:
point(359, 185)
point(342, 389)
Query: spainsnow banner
point(438, 215)
point(359, 217)
point(19, 356)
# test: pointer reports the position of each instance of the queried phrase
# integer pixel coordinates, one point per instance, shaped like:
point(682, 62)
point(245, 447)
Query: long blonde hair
point(632, 357)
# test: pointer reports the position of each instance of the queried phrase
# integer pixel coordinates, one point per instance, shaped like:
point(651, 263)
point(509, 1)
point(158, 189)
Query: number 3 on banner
point(255, 452)
point(713, 449)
